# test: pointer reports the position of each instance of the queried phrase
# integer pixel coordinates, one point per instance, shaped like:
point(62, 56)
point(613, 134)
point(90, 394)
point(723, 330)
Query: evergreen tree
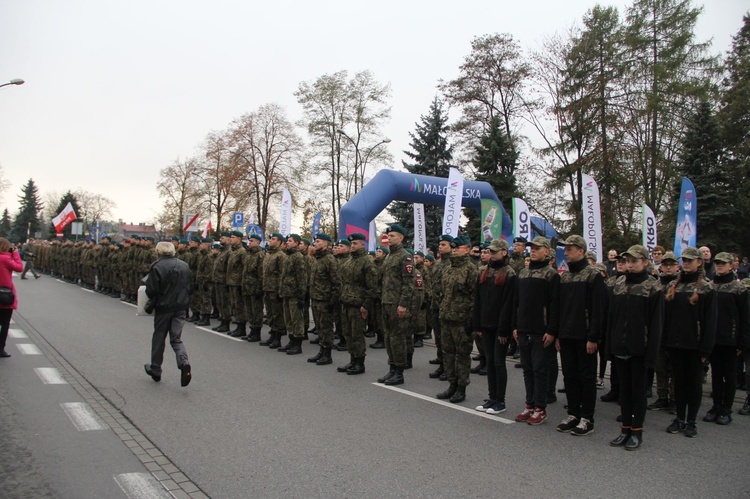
point(432, 156)
point(69, 197)
point(5, 224)
point(495, 162)
point(27, 221)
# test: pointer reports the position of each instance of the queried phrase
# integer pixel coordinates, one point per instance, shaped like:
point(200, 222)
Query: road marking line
point(223, 335)
point(50, 376)
point(141, 486)
point(129, 304)
point(446, 404)
point(16, 333)
point(88, 290)
point(83, 416)
point(29, 349)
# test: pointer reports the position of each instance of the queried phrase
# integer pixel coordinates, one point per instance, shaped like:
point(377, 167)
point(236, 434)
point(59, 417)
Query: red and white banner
point(207, 230)
point(64, 218)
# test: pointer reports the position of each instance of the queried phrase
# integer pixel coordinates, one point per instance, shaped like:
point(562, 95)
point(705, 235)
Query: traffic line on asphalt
point(28, 349)
point(16, 333)
point(83, 416)
point(223, 335)
point(50, 376)
point(446, 404)
point(141, 486)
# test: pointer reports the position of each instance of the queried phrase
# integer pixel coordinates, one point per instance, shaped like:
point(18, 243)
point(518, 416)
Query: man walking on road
point(168, 287)
point(28, 256)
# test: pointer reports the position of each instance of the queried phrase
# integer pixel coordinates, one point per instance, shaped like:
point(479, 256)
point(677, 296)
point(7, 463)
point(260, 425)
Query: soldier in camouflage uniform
point(252, 287)
point(459, 287)
point(397, 297)
point(192, 257)
point(377, 315)
point(292, 289)
point(219, 279)
point(420, 314)
point(325, 286)
point(272, 265)
point(417, 325)
point(429, 262)
point(304, 248)
point(445, 252)
point(205, 266)
point(358, 288)
point(235, 266)
point(341, 252)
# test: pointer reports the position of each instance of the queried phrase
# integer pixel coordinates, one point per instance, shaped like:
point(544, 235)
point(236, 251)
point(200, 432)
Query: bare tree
point(178, 187)
point(94, 207)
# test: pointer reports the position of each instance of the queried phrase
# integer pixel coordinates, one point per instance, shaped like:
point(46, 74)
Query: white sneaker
point(497, 408)
point(487, 404)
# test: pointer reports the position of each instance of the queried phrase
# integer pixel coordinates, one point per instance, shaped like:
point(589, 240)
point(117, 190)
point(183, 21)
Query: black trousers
point(168, 324)
point(579, 376)
point(5, 315)
point(632, 391)
point(537, 363)
point(497, 372)
point(724, 376)
point(687, 369)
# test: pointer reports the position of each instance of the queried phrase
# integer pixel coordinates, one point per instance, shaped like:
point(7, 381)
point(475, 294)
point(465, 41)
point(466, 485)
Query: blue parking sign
point(238, 219)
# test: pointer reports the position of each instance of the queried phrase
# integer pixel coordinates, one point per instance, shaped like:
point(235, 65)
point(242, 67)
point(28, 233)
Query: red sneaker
point(539, 416)
point(525, 415)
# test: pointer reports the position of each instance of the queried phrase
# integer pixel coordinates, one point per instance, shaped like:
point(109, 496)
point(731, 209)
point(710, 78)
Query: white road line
point(29, 349)
point(223, 335)
point(83, 417)
point(16, 333)
point(88, 290)
point(141, 486)
point(446, 404)
point(50, 376)
point(129, 304)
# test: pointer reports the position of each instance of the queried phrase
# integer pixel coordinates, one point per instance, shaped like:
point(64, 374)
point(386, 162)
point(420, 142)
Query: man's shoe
point(584, 427)
point(437, 362)
point(658, 405)
point(186, 375)
point(418, 343)
point(388, 375)
point(276, 343)
point(443, 377)
point(379, 343)
point(525, 414)
point(672, 408)
point(24, 278)
point(610, 396)
point(325, 359)
point(568, 424)
point(482, 364)
point(476, 357)
point(745, 411)
point(676, 426)
point(498, 408)
point(154, 377)
point(724, 418)
point(296, 347)
point(437, 373)
point(538, 417)
point(551, 398)
point(316, 341)
point(600, 384)
point(341, 347)
point(621, 439)
point(358, 367)
point(711, 415)
point(315, 357)
point(268, 342)
point(288, 345)
point(635, 440)
point(448, 393)
point(37, 276)
point(344, 368)
point(397, 378)
point(4, 354)
point(460, 396)
point(691, 429)
point(487, 404)
point(254, 335)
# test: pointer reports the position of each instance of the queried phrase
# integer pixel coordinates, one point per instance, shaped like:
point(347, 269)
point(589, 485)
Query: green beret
point(236, 233)
point(149, 238)
point(295, 237)
point(410, 251)
point(446, 237)
point(420, 253)
point(175, 238)
point(135, 236)
point(395, 228)
point(209, 240)
point(216, 246)
point(461, 241)
point(371, 253)
point(278, 235)
point(519, 239)
point(357, 236)
point(306, 241)
point(324, 237)
point(105, 236)
point(195, 239)
point(225, 233)
point(484, 246)
point(344, 242)
point(182, 240)
point(384, 249)
point(255, 236)
point(430, 258)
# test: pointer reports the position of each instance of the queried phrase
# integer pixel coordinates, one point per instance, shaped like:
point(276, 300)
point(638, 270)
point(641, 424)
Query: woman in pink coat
point(9, 262)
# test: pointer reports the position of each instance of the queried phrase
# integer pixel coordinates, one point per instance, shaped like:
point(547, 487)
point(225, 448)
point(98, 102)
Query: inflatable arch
point(390, 185)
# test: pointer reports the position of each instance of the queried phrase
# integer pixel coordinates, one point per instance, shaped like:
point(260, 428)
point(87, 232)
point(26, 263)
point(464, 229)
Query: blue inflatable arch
point(390, 185)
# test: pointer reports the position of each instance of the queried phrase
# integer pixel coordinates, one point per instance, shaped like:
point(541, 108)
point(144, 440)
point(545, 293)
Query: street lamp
point(15, 81)
point(358, 159)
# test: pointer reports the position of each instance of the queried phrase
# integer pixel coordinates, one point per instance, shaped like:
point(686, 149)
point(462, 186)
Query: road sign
point(190, 222)
point(238, 219)
point(255, 229)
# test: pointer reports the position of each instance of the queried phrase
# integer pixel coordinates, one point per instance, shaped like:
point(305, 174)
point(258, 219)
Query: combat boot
point(379, 343)
point(358, 367)
point(191, 318)
point(348, 366)
point(316, 356)
point(296, 347)
point(240, 331)
point(205, 321)
point(448, 393)
point(289, 344)
point(437, 373)
point(254, 335)
point(481, 366)
point(427, 334)
point(388, 375)
point(418, 343)
point(276, 343)
point(326, 358)
point(409, 358)
point(341, 347)
point(397, 378)
point(316, 341)
point(267, 343)
point(745, 411)
point(223, 327)
point(459, 396)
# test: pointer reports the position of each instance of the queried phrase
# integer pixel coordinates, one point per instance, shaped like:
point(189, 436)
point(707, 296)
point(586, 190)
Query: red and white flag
point(207, 229)
point(64, 218)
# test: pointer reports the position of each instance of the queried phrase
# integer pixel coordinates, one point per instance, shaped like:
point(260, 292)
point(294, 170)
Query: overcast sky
point(115, 91)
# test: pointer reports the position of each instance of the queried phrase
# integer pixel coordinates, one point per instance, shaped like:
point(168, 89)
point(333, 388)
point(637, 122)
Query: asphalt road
point(258, 423)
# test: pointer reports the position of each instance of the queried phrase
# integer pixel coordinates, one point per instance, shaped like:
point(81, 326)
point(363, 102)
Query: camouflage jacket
point(252, 275)
point(436, 280)
point(272, 264)
point(325, 277)
point(205, 267)
point(358, 281)
point(733, 306)
point(235, 265)
point(398, 286)
point(293, 280)
point(458, 286)
point(219, 275)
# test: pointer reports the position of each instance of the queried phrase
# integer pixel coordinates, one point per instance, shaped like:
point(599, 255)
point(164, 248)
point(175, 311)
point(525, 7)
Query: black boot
point(345, 368)
point(448, 393)
point(276, 343)
point(358, 367)
point(379, 343)
point(191, 318)
point(204, 321)
point(621, 439)
point(267, 343)
point(427, 334)
point(316, 356)
point(610, 396)
point(288, 345)
point(341, 347)
point(254, 335)
point(239, 331)
point(437, 373)
point(223, 327)
point(418, 343)
point(326, 358)
point(435, 361)
point(482, 365)
point(397, 378)
point(316, 341)
point(635, 440)
point(409, 358)
point(388, 376)
point(459, 396)
point(296, 347)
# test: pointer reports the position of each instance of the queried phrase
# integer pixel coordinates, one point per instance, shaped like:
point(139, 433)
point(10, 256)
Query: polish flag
point(207, 229)
point(64, 218)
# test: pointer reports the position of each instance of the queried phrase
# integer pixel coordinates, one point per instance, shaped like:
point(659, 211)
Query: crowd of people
point(643, 313)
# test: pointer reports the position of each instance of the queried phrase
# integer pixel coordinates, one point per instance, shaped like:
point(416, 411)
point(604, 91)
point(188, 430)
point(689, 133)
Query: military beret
point(637, 251)
point(420, 253)
point(278, 235)
point(225, 233)
point(105, 236)
point(295, 237)
point(395, 228)
point(430, 258)
point(344, 242)
point(174, 238)
point(208, 240)
point(182, 240)
point(384, 249)
point(149, 238)
point(724, 257)
point(255, 236)
point(306, 241)
point(691, 253)
point(574, 240)
point(195, 239)
point(498, 244)
point(446, 237)
point(541, 242)
point(371, 253)
point(669, 256)
point(135, 236)
point(236, 233)
point(357, 236)
point(520, 240)
point(410, 251)
point(460, 241)
point(484, 246)
point(216, 246)
point(324, 237)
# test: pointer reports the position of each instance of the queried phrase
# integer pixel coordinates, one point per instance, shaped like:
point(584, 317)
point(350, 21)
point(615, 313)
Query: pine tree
point(69, 197)
point(432, 156)
point(5, 224)
point(27, 221)
point(495, 162)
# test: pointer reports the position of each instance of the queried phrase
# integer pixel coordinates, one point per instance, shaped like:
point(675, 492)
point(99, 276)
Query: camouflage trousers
point(293, 317)
point(324, 322)
point(354, 330)
point(237, 305)
point(457, 345)
point(418, 325)
point(253, 309)
point(396, 331)
point(205, 293)
point(275, 311)
point(223, 301)
point(437, 332)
